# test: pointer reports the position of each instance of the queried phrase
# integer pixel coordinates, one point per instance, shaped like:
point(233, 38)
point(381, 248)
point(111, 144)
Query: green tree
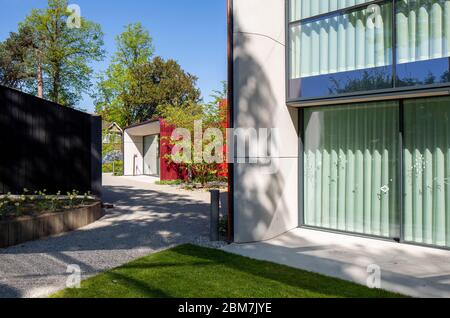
point(117, 87)
point(15, 58)
point(63, 55)
point(136, 82)
point(221, 94)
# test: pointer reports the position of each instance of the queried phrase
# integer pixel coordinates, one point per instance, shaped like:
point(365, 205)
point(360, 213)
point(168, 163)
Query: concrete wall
point(133, 146)
point(266, 204)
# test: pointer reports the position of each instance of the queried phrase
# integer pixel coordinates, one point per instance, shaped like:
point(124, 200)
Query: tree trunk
point(56, 85)
point(40, 82)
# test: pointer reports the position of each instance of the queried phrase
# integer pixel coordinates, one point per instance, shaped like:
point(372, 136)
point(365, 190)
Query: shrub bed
point(30, 217)
point(12, 207)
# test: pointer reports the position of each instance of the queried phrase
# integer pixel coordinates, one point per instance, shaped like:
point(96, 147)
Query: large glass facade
point(351, 168)
point(353, 163)
point(427, 171)
point(380, 168)
point(342, 47)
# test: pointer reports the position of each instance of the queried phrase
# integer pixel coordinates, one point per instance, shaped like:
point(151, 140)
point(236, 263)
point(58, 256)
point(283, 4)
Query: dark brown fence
point(47, 146)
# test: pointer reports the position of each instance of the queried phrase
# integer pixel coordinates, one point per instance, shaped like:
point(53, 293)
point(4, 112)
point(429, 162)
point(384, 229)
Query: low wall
point(26, 229)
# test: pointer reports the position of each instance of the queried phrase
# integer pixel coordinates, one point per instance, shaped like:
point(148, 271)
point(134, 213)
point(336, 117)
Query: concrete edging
point(32, 228)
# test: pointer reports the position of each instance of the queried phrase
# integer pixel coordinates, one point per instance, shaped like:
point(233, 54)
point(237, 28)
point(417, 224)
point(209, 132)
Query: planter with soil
point(34, 226)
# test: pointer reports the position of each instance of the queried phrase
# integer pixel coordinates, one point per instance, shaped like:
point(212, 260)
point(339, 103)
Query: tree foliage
point(64, 53)
point(211, 116)
point(15, 58)
point(137, 82)
point(47, 58)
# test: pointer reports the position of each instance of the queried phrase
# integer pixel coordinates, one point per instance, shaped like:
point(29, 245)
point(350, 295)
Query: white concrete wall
point(133, 146)
point(266, 204)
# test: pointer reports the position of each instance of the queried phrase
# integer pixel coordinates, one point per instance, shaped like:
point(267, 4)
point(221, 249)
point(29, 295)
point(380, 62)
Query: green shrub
point(169, 182)
point(223, 225)
point(118, 167)
point(40, 202)
point(118, 170)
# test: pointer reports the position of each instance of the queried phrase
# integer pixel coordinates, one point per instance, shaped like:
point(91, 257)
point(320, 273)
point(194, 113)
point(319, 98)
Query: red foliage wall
point(223, 168)
point(171, 171)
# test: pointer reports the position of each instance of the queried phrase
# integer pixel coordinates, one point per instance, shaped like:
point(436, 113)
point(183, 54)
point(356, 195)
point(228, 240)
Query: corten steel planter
point(31, 228)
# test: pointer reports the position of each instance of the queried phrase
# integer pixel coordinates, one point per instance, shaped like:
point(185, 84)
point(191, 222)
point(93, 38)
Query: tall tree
point(134, 50)
point(136, 82)
point(15, 58)
point(63, 55)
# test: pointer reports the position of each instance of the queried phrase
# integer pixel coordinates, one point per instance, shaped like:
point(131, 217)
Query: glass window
point(345, 46)
point(351, 167)
point(301, 9)
point(423, 42)
point(342, 53)
point(427, 171)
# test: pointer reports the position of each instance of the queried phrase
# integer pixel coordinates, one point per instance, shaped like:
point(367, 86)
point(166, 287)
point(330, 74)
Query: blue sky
point(191, 32)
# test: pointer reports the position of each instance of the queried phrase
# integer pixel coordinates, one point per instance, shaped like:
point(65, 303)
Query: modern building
point(360, 93)
point(145, 149)
point(142, 149)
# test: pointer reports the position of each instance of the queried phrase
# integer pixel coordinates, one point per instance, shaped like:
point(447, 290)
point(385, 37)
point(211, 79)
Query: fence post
point(214, 226)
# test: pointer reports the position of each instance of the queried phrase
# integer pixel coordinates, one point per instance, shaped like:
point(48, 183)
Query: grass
point(169, 182)
point(188, 271)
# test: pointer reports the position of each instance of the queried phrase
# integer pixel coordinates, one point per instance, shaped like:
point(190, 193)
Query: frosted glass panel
point(301, 9)
point(427, 171)
point(423, 30)
point(351, 168)
point(342, 43)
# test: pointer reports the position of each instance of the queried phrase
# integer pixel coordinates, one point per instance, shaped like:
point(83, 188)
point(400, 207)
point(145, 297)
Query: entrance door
point(151, 155)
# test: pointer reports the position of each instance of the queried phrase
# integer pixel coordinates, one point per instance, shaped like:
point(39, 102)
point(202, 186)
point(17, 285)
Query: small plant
point(40, 202)
point(223, 225)
point(72, 196)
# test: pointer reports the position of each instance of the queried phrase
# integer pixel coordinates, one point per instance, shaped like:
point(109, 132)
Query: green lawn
point(189, 271)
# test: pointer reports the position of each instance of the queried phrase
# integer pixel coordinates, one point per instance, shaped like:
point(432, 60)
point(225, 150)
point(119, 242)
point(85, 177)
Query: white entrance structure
point(141, 149)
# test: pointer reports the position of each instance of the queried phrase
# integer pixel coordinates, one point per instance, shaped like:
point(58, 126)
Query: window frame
point(348, 97)
point(399, 236)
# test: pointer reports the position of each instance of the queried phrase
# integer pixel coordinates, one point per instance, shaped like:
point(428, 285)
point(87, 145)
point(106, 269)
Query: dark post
point(214, 227)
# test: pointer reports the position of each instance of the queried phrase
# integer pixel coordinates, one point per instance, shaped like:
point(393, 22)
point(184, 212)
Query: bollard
point(214, 226)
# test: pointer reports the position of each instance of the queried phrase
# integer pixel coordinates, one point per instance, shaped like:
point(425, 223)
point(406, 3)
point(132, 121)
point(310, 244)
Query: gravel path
point(146, 218)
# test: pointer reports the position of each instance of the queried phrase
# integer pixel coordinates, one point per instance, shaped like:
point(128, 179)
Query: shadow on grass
point(299, 279)
point(190, 271)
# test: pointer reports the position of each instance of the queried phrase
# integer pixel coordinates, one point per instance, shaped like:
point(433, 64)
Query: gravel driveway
point(146, 218)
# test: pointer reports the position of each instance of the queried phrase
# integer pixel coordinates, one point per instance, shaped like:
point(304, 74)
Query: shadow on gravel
point(141, 218)
point(8, 292)
point(142, 221)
